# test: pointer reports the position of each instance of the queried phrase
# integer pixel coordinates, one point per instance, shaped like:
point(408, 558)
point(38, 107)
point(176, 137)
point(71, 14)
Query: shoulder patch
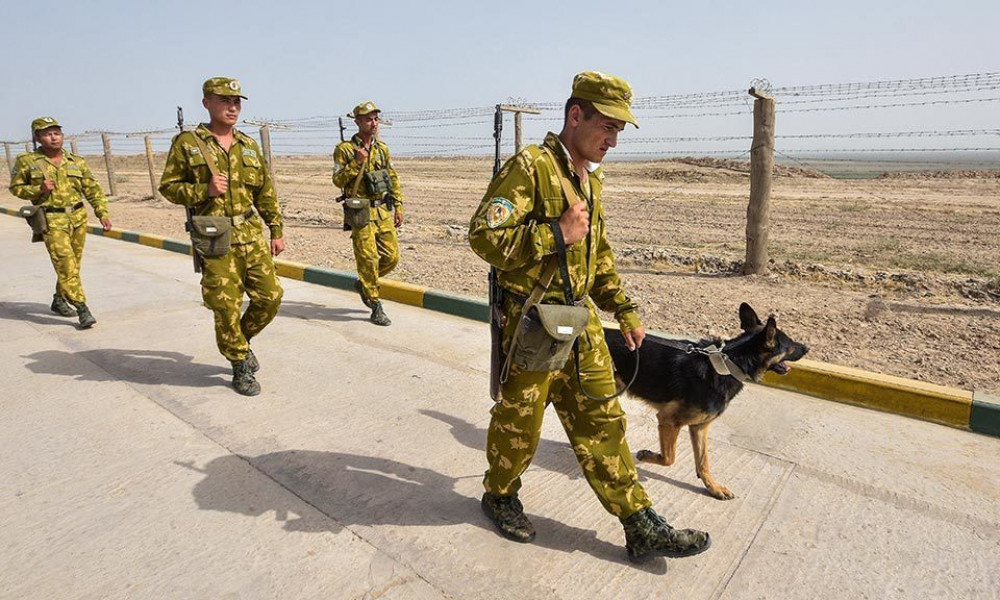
point(499, 212)
point(250, 152)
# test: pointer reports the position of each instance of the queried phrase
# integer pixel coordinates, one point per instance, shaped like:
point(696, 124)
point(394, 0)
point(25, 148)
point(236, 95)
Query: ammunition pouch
point(210, 236)
point(546, 334)
point(35, 216)
point(357, 213)
point(377, 183)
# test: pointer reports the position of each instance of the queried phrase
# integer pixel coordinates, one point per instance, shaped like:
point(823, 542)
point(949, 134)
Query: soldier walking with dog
point(541, 214)
point(56, 183)
point(219, 173)
point(373, 205)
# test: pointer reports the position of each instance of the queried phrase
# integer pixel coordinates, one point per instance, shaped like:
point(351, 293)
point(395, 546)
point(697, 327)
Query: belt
point(63, 209)
point(241, 219)
point(520, 300)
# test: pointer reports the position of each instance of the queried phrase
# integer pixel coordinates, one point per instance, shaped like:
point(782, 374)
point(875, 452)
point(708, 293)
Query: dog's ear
point(748, 318)
point(771, 332)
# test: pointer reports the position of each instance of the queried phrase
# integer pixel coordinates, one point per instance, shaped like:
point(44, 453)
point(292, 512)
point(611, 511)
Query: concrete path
point(130, 469)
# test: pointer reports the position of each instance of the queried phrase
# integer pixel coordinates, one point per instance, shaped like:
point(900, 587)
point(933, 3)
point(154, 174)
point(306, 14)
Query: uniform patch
point(500, 210)
point(250, 152)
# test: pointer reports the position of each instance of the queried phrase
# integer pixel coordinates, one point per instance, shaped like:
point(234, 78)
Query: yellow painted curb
point(927, 401)
point(406, 293)
point(291, 270)
point(151, 240)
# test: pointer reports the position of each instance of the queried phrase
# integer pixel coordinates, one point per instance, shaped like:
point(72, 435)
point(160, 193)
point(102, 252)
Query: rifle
point(497, 317)
point(189, 211)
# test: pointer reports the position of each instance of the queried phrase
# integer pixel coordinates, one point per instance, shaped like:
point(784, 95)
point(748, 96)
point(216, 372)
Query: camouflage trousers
point(376, 252)
point(596, 430)
point(247, 268)
point(65, 240)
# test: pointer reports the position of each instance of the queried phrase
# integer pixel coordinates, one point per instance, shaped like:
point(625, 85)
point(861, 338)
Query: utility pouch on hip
point(210, 236)
point(357, 212)
point(377, 183)
point(546, 334)
point(35, 216)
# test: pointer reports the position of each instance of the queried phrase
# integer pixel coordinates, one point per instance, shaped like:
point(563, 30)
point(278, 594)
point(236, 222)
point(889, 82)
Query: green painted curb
point(985, 417)
point(454, 304)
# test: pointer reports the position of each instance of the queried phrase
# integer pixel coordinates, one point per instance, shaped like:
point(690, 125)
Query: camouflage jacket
point(73, 179)
point(186, 176)
point(345, 170)
point(511, 231)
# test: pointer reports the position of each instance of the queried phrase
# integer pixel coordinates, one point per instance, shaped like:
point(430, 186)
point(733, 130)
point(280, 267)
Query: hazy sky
point(124, 66)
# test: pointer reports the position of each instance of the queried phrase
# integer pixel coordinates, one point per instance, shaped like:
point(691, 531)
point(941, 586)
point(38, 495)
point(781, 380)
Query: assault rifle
point(497, 317)
point(189, 211)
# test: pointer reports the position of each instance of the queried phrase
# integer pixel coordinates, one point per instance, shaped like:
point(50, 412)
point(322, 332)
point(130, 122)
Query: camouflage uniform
point(509, 230)
point(376, 247)
point(67, 229)
point(248, 267)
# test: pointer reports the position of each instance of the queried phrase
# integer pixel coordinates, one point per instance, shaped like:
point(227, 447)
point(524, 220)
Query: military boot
point(87, 320)
point(647, 534)
point(361, 292)
point(61, 307)
point(507, 513)
point(243, 380)
point(378, 315)
point(252, 361)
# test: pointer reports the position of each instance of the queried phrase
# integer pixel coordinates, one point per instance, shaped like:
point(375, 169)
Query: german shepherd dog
point(685, 388)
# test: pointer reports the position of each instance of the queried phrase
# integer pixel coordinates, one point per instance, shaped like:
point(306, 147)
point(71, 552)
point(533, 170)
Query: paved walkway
point(130, 469)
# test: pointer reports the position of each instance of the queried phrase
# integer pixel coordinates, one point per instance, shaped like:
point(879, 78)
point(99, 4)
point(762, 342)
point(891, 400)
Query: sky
point(125, 66)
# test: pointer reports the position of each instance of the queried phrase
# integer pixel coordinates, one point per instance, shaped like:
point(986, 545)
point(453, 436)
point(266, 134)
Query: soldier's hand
point(360, 155)
point(277, 246)
point(575, 223)
point(217, 185)
point(106, 223)
point(398, 218)
point(48, 185)
point(634, 337)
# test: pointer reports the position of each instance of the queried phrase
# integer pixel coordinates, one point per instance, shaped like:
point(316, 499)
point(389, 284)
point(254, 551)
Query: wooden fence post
point(149, 163)
point(72, 146)
point(265, 145)
point(761, 170)
point(518, 111)
point(112, 186)
point(27, 147)
point(10, 160)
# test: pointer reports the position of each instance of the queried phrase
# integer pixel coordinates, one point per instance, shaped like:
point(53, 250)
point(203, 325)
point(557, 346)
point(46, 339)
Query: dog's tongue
point(782, 368)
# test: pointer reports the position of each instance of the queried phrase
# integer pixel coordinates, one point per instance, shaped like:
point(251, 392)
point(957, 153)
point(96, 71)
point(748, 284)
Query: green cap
point(43, 123)
point(363, 109)
point(223, 86)
point(612, 96)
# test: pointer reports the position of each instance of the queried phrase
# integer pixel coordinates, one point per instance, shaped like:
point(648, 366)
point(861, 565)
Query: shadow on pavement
point(320, 312)
point(34, 312)
point(153, 367)
point(361, 490)
point(551, 455)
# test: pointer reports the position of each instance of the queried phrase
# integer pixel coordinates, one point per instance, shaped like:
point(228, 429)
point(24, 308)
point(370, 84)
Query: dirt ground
point(899, 275)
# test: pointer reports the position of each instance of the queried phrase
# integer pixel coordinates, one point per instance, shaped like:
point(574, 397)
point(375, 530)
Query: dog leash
point(721, 362)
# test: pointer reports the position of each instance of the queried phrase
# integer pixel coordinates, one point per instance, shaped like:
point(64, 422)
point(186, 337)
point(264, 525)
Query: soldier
point(238, 183)
point(59, 182)
point(525, 216)
point(362, 168)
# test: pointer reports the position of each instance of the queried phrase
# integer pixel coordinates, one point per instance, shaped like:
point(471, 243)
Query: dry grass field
point(899, 275)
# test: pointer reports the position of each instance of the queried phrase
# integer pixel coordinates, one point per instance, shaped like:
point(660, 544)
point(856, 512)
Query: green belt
point(63, 209)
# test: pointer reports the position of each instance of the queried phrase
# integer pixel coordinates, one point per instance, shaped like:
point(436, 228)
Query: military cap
point(611, 96)
point(363, 109)
point(43, 123)
point(223, 86)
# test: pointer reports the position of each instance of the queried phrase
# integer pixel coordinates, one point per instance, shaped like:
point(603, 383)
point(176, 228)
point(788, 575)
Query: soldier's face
point(594, 136)
point(368, 124)
point(50, 139)
point(223, 109)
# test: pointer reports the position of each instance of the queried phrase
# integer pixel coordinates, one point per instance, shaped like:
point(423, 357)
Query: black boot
point(647, 534)
point(87, 320)
point(378, 315)
point(61, 307)
point(243, 380)
point(507, 514)
point(252, 361)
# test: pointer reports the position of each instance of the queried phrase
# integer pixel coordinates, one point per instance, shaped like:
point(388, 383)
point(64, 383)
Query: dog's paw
point(721, 492)
point(649, 456)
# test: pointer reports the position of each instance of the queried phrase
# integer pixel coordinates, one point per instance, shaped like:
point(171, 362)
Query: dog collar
point(722, 364)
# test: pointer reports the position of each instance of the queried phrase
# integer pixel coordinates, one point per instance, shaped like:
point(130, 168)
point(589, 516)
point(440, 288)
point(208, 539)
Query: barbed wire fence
point(705, 129)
